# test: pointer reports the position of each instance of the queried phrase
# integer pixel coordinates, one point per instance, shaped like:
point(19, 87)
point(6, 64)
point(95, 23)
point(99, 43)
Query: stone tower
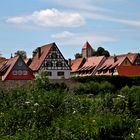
point(86, 50)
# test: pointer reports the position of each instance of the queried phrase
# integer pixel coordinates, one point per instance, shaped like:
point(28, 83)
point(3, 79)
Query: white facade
point(55, 74)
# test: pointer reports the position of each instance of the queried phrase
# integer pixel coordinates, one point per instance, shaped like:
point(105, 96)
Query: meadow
point(89, 110)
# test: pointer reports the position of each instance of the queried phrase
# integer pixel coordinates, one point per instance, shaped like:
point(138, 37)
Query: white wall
point(55, 76)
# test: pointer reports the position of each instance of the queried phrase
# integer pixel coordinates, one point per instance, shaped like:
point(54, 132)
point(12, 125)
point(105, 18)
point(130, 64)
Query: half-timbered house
point(50, 59)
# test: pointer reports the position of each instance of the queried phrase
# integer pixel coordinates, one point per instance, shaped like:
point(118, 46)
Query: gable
point(54, 60)
point(17, 70)
point(20, 64)
point(137, 60)
point(126, 62)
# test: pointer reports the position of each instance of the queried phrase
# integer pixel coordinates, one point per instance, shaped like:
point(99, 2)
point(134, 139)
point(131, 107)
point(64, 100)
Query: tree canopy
point(34, 52)
point(78, 55)
point(21, 53)
point(101, 51)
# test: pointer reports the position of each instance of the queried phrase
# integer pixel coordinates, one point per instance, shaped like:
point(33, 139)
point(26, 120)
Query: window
point(20, 63)
point(125, 62)
point(20, 72)
point(54, 55)
point(60, 73)
point(137, 61)
point(49, 64)
point(25, 72)
point(59, 64)
point(49, 73)
point(99, 71)
point(14, 72)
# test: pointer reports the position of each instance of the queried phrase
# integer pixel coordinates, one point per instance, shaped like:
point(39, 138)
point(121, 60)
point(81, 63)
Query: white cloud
point(62, 35)
point(51, 18)
point(89, 9)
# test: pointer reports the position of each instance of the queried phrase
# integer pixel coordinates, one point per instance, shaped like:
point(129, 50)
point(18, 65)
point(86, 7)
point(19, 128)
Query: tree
point(78, 55)
point(21, 53)
point(34, 52)
point(101, 51)
point(106, 53)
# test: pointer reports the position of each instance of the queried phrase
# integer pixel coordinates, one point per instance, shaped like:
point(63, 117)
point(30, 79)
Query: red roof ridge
point(10, 62)
point(86, 45)
point(37, 61)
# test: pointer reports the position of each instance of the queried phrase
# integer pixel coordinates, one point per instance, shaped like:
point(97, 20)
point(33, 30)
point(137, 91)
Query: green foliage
point(34, 52)
point(94, 88)
point(91, 110)
point(21, 53)
point(78, 55)
point(101, 51)
point(117, 81)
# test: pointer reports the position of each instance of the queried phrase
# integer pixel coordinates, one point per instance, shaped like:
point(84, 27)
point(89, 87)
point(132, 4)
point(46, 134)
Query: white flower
point(74, 112)
point(132, 135)
point(121, 96)
point(27, 102)
point(93, 121)
point(36, 104)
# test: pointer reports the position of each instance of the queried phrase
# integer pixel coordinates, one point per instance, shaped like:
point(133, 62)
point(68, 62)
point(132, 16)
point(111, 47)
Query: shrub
point(93, 88)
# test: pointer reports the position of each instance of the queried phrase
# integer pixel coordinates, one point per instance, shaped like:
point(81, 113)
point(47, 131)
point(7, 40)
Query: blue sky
point(28, 24)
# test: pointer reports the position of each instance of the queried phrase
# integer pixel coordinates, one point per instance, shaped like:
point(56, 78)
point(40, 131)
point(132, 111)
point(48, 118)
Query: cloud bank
point(49, 17)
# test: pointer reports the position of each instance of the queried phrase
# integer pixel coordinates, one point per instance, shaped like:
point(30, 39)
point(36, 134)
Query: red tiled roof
point(92, 62)
point(28, 61)
point(76, 64)
point(2, 59)
point(37, 61)
point(129, 70)
point(9, 64)
point(130, 56)
point(109, 62)
point(119, 61)
point(86, 45)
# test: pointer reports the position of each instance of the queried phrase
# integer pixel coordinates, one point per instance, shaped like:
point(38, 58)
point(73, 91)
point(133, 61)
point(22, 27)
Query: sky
point(28, 24)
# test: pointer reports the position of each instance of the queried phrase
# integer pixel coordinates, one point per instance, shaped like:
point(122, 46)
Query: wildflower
point(93, 121)
point(74, 112)
point(132, 135)
point(121, 96)
point(27, 102)
point(36, 104)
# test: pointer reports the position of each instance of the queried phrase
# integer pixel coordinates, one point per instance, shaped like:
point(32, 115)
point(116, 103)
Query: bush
point(50, 111)
point(117, 81)
point(93, 88)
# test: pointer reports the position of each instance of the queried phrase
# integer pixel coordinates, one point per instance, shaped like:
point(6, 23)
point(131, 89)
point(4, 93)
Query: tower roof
point(87, 46)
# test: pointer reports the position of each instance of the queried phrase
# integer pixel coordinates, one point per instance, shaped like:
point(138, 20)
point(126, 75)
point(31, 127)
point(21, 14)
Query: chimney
point(11, 55)
point(115, 58)
point(39, 52)
point(69, 62)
